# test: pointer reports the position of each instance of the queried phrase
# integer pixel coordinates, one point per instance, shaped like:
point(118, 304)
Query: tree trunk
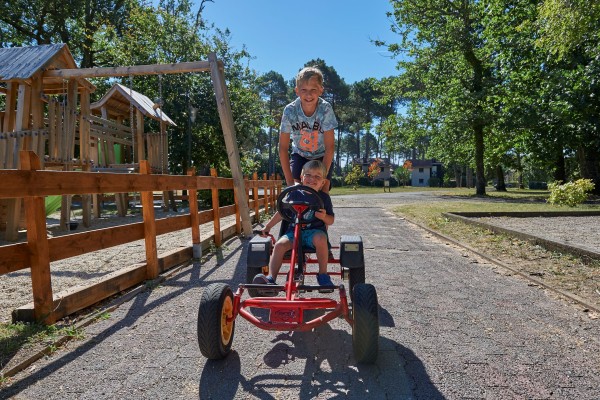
point(501, 185)
point(588, 164)
point(458, 176)
point(560, 172)
point(338, 163)
point(479, 165)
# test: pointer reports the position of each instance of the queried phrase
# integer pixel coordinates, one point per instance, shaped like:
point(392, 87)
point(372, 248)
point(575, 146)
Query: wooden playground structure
point(38, 158)
point(48, 111)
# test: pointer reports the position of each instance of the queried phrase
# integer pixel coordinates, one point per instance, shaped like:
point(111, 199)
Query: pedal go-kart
point(219, 306)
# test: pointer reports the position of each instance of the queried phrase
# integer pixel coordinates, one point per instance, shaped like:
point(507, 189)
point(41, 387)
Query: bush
point(571, 193)
point(534, 185)
point(434, 181)
point(364, 181)
point(380, 182)
point(337, 181)
point(353, 177)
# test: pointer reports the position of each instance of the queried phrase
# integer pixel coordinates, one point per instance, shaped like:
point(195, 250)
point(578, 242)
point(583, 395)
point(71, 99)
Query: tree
point(273, 90)
point(446, 39)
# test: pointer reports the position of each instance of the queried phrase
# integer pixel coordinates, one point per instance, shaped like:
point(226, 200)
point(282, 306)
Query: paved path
point(451, 327)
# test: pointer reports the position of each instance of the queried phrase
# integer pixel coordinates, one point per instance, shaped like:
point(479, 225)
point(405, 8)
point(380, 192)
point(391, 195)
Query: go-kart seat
point(283, 227)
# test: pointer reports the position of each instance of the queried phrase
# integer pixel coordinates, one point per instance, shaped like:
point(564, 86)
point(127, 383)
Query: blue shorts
point(297, 162)
point(307, 237)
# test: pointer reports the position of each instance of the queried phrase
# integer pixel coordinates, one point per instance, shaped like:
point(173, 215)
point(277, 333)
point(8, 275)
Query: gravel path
point(15, 288)
point(452, 327)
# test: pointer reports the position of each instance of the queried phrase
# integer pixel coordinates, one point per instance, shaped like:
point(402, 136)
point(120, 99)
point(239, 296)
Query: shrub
point(534, 185)
point(354, 176)
point(571, 193)
point(434, 181)
point(380, 182)
point(337, 181)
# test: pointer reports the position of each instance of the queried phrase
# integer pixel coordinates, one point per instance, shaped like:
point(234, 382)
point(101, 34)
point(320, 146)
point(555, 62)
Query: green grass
point(462, 192)
point(14, 337)
point(372, 189)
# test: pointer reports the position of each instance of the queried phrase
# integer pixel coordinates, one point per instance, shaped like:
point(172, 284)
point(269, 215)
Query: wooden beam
point(149, 227)
point(195, 222)
point(215, 209)
point(151, 69)
point(37, 240)
point(224, 107)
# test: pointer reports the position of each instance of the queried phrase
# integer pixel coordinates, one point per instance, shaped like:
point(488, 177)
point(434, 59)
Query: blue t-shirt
point(327, 205)
point(307, 133)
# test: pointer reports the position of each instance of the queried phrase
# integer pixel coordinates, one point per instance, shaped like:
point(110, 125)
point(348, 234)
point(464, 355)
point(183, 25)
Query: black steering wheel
point(299, 195)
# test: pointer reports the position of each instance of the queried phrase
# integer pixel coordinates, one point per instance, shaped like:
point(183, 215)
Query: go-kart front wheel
point(215, 333)
point(365, 331)
point(251, 272)
point(355, 277)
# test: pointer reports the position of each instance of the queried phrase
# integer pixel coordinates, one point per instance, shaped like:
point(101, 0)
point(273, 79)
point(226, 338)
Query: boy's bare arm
point(284, 157)
point(329, 141)
point(275, 219)
point(323, 216)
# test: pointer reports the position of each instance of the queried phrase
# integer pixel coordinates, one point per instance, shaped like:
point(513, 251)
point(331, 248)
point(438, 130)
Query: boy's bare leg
point(320, 245)
point(282, 245)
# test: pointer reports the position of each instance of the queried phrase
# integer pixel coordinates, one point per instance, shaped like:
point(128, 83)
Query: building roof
point(383, 162)
point(425, 163)
point(119, 99)
point(22, 64)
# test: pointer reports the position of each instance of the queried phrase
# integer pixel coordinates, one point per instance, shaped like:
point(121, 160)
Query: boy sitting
point(314, 235)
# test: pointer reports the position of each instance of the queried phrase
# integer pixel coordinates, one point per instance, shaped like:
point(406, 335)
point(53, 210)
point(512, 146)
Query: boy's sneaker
point(298, 276)
point(265, 280)
point(324, 280)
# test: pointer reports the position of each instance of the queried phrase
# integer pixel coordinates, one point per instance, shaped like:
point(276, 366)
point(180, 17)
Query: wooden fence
point(33, 184)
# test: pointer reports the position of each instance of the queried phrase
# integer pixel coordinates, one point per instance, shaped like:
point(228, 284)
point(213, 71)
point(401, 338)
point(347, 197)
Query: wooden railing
point(38, 252)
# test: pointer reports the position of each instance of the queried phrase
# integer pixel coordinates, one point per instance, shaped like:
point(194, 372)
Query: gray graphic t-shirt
point(307, 132)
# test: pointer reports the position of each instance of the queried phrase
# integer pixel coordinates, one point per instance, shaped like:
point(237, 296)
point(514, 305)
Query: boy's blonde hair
point(308, 72)
point(315, 164)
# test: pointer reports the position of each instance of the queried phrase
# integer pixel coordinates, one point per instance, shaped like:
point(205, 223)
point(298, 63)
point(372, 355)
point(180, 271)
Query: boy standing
point(314, 235)
point(309, 122)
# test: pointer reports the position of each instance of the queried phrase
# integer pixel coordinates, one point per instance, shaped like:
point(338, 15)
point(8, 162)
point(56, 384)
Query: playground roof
point(119, 99)
point(22, 64)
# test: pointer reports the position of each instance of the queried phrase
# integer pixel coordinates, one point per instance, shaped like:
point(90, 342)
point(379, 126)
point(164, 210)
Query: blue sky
point(282, 35)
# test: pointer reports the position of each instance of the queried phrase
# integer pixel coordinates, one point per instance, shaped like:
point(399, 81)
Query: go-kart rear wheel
point(251, 272)
point(355, 276)
point(215, 333)
point(365, 331)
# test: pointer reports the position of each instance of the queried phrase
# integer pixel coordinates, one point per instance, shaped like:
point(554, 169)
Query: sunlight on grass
point(21, 335)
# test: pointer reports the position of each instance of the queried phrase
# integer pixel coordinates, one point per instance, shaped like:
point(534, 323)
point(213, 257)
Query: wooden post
point(224, 107)
point(84, 128)
point(72, 100)
point(139, 135)
point(255, 196)
point(149, 227)
point(37, 118)
point(37, 241)
point(265, 191)
point(13, 159)
point(65, 207)
point(195, 221)
point(238, 223)
point(84, 154)
point(215, 207)
point(86, 201)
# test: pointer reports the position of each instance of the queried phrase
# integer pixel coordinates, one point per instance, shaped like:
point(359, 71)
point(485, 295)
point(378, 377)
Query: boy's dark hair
point(308, 72)
point(315, 164)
